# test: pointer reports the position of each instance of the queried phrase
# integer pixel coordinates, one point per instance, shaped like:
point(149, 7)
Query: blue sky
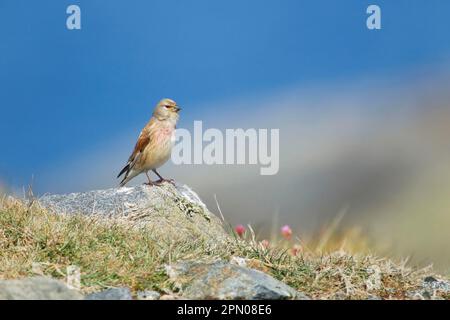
point(65, 91)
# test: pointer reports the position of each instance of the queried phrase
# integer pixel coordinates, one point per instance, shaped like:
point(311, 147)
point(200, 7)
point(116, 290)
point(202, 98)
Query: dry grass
point(114, 253)
point(322, 273)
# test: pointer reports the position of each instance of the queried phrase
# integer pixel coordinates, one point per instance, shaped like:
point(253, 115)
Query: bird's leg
point(149, 183)
point(161, 179)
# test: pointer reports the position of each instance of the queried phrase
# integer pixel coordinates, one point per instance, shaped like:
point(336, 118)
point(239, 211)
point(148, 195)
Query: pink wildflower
point(286, 232)
point(240, 230)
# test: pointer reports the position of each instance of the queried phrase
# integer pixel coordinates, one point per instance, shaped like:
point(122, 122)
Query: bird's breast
point(159, 149)
point(165, 135)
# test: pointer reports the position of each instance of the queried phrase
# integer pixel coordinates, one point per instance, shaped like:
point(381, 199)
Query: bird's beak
point(177, 108)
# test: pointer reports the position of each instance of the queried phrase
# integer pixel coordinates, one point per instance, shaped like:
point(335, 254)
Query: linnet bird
point(154, 145)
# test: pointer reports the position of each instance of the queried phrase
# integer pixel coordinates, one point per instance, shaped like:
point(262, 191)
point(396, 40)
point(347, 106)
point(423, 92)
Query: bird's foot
point(149, 184)
point(161, 181)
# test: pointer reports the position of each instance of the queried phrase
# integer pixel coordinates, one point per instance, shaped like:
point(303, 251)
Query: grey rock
point(172, 211)
point(430, 289)
point(419, 295)
point(116, 201)
point(430, 279)
point(426, 295)
point(37, 288)
point(148, 295)
point(432, 284)
point(223, 280)
point(111, 294)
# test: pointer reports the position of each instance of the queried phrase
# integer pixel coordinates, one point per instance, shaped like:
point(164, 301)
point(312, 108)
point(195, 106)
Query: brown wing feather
point(143, 141)
point(141, 144)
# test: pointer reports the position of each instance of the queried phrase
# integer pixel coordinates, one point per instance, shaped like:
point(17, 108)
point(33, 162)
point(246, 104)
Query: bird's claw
point(161, 181)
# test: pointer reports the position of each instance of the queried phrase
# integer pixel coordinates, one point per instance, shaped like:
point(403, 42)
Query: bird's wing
point(142, 142)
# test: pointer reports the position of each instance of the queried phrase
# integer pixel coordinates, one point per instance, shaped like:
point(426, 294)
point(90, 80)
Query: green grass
point(114, 253)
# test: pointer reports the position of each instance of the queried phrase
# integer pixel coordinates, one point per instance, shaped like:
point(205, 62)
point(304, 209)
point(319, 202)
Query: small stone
point(223, 280)
point(426, 295)
point(430, 279)
point(37, 288)
point(148, 295)
point(111, 294)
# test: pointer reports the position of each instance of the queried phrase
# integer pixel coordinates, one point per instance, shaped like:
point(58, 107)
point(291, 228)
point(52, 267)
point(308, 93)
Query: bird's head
point(167, 109)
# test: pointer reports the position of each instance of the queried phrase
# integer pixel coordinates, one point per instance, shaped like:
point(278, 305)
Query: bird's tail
point(126, 170)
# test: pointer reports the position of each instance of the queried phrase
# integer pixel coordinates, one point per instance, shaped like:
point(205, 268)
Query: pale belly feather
point(159, 150)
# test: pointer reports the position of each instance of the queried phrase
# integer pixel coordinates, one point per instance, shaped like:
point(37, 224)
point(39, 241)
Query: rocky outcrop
point(171, 211)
